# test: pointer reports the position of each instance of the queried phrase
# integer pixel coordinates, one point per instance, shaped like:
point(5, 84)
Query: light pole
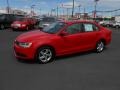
point(8, 7)
point(73, 8)
point(79, 8)
point(95, 11)
point(57, 11)
point(67, 12)
point(52, 12)
point(32, 9)
point(63, 12)
point(79, 11)
point(84, 12)
point(40, 11)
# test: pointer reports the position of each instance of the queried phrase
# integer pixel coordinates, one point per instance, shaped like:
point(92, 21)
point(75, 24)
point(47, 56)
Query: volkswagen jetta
point(61, 38)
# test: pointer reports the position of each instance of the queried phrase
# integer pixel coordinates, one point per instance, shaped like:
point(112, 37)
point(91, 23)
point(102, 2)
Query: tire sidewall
point(27, 28)
point(97, 46)
point(37, 55)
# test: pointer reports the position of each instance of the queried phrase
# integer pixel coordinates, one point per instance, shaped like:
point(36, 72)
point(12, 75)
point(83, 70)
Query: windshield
point(54, 28)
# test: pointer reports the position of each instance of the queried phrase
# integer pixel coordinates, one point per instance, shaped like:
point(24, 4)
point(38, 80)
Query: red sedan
point(61, 38)
point(23, 24)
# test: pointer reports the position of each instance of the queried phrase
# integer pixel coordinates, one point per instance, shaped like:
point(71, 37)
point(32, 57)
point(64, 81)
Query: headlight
point(18, 25)
point(25, 45)
point(23, 25)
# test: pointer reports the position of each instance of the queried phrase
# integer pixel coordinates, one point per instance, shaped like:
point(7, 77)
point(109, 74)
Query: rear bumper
point(19, 28)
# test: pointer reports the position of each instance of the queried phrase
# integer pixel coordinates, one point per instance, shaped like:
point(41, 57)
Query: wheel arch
point(103, 40)
point(45, 45)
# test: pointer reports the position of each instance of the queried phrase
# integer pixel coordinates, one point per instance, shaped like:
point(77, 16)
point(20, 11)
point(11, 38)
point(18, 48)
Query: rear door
point(90, 36)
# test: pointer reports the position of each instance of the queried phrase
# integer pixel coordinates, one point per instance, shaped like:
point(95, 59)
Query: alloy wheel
point(100, 47)
point(45, 55)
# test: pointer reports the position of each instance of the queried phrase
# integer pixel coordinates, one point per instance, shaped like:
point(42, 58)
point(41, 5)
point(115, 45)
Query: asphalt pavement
point(88, 71)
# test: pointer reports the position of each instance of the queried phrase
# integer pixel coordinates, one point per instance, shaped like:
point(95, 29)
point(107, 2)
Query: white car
point(116, 25)
point(104, 23)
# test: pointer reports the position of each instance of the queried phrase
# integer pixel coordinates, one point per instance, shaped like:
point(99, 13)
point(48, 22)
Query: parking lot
point(88, 71)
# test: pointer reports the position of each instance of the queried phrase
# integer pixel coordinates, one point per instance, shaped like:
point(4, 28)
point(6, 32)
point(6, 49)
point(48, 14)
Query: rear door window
point(88, 27)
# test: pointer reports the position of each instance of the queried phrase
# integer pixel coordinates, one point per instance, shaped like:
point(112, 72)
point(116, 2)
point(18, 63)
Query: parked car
point(117, 18)
point(46, 21)
point(104, 23)
point(116, 25)
point(23, 24)
point(111, 23)
point(61, 38)
point(37, 18)
point(7, 19)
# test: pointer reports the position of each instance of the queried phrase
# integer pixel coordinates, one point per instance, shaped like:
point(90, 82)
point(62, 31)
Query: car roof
point(77, 21)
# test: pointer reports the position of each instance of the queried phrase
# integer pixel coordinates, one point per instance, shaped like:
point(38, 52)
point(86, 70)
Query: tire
point(27, 28)
point(100, 46)
point(33, 26)
point(117, 27)
point(108, 26)
point(2, 26)
point(45, 55)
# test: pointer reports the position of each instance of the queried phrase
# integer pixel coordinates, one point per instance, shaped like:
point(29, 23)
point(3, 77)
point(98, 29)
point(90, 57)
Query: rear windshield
point(47, 19)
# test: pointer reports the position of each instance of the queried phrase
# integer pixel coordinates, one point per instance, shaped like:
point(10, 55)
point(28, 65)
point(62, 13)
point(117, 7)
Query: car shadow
point(81, 54)
point(57, 58)
point(86, 53)
point(74, 55)
point(20, 30)
point(26, 61)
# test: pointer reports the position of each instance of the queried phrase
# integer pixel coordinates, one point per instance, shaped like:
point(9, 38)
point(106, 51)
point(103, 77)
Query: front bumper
point(24, 53)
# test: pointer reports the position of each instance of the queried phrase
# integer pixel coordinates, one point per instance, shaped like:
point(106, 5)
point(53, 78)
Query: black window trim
point(73, 24)
point(83, 31)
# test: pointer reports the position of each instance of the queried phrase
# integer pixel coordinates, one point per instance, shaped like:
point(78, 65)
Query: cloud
point(102, 4)
point(41, 3)
point(109, 4)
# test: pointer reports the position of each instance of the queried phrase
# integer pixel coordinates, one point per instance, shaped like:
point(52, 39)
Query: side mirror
point(63, 33)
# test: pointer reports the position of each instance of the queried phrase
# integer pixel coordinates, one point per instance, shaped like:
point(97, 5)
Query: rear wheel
point(2, 26)
point(45, 55)
point(117, 27)
point(108, 25)
point(27, 28)
point(100, 46)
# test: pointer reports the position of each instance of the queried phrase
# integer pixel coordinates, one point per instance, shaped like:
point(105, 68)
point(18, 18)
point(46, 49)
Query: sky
point(44, 6)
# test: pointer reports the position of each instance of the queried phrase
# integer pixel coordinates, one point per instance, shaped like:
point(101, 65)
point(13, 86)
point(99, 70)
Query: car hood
point(33, 35)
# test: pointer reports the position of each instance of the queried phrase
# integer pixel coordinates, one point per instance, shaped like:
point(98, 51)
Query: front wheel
point(100, 47)
point(45, 55)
